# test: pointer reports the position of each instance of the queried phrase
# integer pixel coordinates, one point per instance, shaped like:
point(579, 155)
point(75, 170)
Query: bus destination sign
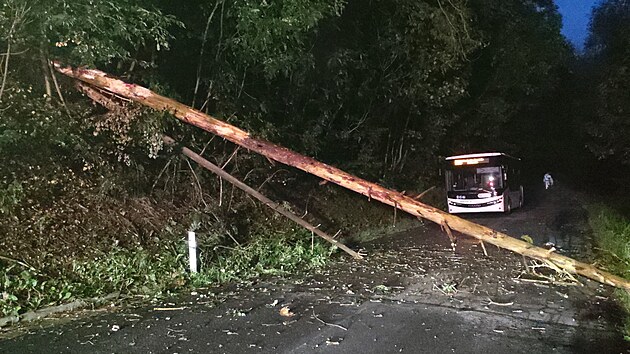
point(472, 161)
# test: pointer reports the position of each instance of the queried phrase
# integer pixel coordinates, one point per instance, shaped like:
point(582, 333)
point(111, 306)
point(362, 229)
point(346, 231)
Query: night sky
point(575, 18)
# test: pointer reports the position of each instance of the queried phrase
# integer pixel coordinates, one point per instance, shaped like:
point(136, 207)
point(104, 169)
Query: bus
point(484, 182)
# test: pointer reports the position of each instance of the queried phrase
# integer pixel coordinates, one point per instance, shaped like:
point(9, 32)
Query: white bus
point(485, 182)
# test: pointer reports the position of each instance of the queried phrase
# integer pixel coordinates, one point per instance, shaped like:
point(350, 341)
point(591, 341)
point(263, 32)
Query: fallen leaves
point(285, 311)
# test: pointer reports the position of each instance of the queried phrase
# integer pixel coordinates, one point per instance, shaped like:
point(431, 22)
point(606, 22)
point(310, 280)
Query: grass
point(612, 236)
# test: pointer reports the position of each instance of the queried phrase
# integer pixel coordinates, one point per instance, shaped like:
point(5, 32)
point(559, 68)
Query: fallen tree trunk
point(371, 190)
point(251, 191)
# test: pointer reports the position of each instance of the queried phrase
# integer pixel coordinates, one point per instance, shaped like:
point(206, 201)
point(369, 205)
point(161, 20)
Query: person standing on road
point(547, 180)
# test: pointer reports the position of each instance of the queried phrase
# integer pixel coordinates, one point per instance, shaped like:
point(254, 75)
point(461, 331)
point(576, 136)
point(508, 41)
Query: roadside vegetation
point(126, 272)
point(612, 237)
point(156, 264)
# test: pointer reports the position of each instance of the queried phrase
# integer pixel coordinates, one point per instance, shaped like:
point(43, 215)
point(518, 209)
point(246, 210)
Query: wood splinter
point(444, 226)
point(483, 247)
point(419, 196)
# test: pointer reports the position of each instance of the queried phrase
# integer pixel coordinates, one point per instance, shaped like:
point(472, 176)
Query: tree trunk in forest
point(371, 190)
point(45, 73)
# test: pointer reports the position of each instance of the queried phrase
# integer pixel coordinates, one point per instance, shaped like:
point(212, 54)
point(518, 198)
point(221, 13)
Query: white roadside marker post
point(192, 251)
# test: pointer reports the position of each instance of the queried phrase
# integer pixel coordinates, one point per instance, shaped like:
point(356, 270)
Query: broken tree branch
point(249, 190)
point(371, 190)
point(449, 233)
point(419, 196)
point(483, 247)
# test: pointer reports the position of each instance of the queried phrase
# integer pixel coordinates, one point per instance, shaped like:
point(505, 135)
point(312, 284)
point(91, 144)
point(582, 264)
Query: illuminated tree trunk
point(371, 190)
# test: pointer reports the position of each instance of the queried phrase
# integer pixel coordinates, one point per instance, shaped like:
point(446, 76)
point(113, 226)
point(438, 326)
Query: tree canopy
point(607, 54)
point(383, 88)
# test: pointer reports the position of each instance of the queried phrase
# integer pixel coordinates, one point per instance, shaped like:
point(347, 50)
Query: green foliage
point(148, 273)
point(274, 34)
point(82, 33)
point(609, 129)
point(608, 38)
point(129, 272)
point(446, 288)
point(14, 17)
point(24, 289)
point(612, 232)
point(527, 238)
point(624, 298)
point(96, 32)
point(378, 88)
point(30, 122)
point(137, 271)
point(385, 77)
point(42, 148)
point(612, 236)
point(265, 254)
point(515, 69)
point(10, 197)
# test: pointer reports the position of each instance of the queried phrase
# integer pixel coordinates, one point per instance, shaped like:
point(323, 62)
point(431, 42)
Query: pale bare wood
point(484, 248)
point(371, 190)
point(419, 196)
point(45, 73)
point(449, 233)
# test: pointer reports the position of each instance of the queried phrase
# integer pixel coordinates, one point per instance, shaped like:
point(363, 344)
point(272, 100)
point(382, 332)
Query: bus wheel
point(508, 206)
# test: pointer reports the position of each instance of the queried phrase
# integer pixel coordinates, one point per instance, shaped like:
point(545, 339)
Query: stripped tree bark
point(371, 190)
point(203, 46)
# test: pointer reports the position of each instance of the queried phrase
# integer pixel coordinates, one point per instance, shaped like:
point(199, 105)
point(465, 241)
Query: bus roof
point(483, 154)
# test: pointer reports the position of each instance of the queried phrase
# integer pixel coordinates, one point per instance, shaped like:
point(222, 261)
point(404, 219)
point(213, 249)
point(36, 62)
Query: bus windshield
point(475, 179)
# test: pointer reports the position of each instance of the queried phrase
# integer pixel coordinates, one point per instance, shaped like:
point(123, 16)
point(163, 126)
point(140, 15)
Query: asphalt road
point(413, 294)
